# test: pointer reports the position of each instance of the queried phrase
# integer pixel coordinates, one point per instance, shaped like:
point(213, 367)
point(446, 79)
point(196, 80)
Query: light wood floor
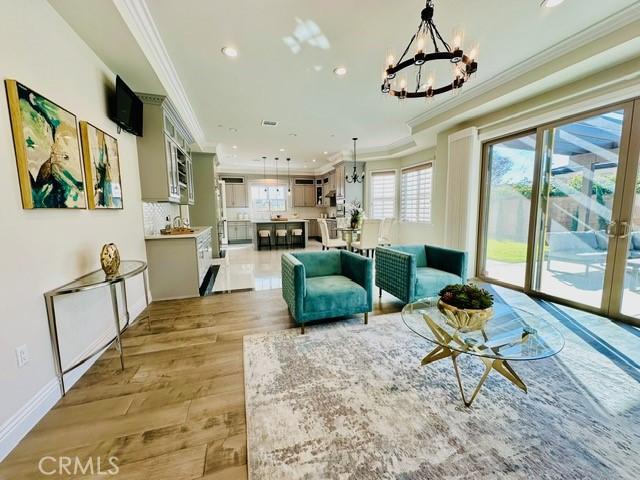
point(177, 410)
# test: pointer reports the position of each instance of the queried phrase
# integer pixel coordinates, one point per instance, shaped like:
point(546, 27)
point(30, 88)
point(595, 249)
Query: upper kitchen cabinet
point(235, 192)
point(304, 192)
point(166, 173)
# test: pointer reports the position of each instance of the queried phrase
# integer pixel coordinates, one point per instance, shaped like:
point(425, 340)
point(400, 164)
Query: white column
point(463, 193)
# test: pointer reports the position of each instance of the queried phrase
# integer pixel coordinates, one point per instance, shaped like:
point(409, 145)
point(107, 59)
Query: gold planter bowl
point(465, 319)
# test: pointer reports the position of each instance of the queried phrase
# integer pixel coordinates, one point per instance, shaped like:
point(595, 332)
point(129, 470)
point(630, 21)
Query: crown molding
point(607, 26)
point(258, 170)
point(137, 16)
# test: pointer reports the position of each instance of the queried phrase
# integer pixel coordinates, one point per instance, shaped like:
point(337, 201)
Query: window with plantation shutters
point(383, 194)
point(415, 193)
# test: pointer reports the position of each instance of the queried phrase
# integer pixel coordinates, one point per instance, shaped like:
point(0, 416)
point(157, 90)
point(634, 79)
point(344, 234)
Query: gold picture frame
point(101, 168)
point(47, 147)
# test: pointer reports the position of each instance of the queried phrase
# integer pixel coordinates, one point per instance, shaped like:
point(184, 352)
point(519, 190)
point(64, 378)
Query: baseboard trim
point(18, 425)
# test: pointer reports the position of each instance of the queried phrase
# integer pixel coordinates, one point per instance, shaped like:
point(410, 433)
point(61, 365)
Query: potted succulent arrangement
point(467, 307)
point(356, 211)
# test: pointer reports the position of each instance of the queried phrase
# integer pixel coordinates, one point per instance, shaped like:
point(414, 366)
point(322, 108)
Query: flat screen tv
point(127, 109)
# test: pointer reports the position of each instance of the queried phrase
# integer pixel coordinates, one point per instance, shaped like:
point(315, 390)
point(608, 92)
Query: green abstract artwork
point(45, 137)
point(102, 167)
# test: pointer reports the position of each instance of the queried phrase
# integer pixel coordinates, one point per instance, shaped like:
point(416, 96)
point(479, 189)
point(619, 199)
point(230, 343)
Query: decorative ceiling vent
point(269, 123)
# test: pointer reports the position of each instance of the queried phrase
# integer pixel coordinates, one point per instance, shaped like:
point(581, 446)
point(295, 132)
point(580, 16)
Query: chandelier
point(463, 65)
point(355, 177)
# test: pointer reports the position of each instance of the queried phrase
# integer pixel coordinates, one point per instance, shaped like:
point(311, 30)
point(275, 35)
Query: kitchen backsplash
point(155, 215)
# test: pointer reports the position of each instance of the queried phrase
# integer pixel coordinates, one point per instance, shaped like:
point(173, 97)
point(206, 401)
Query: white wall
point(43, 249)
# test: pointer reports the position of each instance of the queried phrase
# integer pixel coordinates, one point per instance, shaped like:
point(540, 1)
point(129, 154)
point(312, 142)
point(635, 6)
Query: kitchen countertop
point(197, 231)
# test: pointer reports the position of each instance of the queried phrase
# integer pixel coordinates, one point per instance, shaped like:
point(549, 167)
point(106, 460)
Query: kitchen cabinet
point(235, 192)
point(298, 196)
point(163, 153)
point(239, 232)
point(191, 192)
point(178, 264)
point(304, 192)
point(339, 181)
point(309, 196)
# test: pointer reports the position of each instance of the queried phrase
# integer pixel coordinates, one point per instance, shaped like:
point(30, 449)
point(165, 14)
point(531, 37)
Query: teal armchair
point(410, 272)
point(329, 284)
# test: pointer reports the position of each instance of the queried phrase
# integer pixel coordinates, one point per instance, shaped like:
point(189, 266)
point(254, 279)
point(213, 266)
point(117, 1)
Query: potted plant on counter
point(467, 307)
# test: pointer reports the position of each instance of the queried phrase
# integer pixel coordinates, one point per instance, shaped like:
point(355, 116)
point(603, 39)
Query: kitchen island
point(273, 225)
point(178, 264)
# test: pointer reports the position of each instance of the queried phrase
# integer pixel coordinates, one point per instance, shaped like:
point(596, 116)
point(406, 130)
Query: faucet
point(177, 222)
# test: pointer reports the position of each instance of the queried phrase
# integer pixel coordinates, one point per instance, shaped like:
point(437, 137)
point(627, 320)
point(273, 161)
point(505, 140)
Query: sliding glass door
point(560, 211)
point(579, 173)
point(508, 183)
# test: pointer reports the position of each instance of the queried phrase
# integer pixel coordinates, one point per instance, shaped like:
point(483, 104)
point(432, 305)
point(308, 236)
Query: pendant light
point(355, 177)
point(288, 177)
point(264, 172)
point(277, 182)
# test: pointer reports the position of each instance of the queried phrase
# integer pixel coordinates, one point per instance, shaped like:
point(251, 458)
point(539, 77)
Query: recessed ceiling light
point(293, 134)
point(340, 71)
point(314, 160)
point(235, 147)
point(326, 153)
point(282, 149)
point(229, 52)
point(551, 3)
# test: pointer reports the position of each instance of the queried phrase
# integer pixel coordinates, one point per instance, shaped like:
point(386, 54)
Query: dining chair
point(368, 237)
point(327, 242)
point(385, 231)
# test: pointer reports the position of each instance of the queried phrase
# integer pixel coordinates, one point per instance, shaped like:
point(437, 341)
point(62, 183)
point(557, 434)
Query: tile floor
point(245, 268)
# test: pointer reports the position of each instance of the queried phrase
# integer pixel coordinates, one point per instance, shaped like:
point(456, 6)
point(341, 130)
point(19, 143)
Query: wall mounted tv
point(127, 109)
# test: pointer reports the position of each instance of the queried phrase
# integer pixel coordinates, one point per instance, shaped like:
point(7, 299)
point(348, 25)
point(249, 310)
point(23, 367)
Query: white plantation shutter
point(383, 194)
point(415, 193)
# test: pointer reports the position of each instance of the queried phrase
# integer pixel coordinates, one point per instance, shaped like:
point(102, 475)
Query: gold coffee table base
point(440, 352)
point(500, 366)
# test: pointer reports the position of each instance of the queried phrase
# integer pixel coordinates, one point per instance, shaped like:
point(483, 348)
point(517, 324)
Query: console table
point(90, 281)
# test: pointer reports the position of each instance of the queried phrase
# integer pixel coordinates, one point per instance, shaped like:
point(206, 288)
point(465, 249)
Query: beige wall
point(43, 249)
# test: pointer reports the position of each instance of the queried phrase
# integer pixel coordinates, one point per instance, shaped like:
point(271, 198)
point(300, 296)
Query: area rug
point(351, 401)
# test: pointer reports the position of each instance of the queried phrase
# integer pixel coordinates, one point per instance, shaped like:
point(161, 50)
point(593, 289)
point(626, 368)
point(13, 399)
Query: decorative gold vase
point(465, 319)
point(110, 259)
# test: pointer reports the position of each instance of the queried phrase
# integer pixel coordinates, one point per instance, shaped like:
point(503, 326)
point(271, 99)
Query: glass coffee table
point(511, 334)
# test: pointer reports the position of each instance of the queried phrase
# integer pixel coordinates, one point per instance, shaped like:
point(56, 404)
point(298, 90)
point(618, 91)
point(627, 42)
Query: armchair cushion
point(430, 281)
point(321, 264)
point(334, 293)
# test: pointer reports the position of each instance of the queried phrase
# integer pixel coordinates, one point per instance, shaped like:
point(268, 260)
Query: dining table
point(347, 234)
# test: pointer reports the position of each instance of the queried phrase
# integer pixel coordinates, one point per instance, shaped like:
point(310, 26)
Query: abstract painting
point(45, 137)
point(101, 167)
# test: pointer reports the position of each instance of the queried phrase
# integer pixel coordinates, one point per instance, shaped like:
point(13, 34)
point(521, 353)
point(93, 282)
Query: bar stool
point(262, 234)
point(282, 233)
point(297, 233)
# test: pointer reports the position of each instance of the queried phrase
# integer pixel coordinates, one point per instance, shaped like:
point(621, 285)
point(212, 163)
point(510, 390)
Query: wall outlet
point(23, 355)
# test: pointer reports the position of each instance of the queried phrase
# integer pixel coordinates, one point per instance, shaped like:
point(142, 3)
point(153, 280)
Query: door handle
point(611, 229)
point(625, 229)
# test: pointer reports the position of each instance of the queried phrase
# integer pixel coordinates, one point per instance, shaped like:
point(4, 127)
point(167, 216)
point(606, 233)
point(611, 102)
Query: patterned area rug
point(352, 401)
